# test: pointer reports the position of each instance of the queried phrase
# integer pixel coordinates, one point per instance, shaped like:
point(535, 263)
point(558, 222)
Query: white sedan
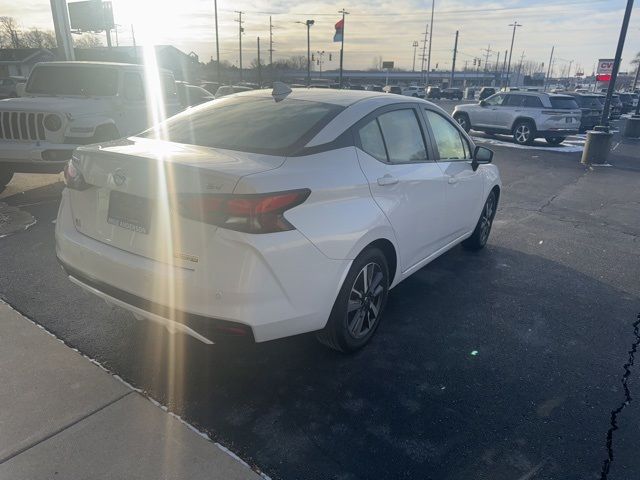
point(269, 214)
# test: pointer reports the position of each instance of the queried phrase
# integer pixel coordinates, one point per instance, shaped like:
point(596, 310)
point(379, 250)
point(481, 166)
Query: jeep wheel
point(463, 121)
point(524, 132)
point(5, 177)
point(555, 141)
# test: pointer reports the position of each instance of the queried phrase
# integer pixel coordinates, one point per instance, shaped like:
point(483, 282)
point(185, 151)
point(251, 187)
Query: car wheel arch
point(523, 119)
point(385, 241)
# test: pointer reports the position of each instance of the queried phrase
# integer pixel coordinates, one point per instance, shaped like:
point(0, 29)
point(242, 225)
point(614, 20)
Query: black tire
point(5, 177)
point(463, 121)
point(345, 330)
point(480, 235)
point(524, 132)
point(105, 133)
point(555, 141)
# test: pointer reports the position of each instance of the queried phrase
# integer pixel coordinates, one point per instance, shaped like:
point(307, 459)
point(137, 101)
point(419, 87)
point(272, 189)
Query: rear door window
point(532, 102)
point(403, 136)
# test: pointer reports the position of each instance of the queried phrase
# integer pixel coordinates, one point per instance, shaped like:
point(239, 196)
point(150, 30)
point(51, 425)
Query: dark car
point(356, 87)
point(374, 88)
point(452, 94)
point(486, 92)
point(211, 87)
point(591, 107)
point(629, 102)
point(191, 95)
point(392, 89)
point(616, 107)
point(434, 92)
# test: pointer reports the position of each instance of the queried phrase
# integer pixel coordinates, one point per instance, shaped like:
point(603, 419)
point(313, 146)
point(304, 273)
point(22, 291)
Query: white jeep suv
point(525, 115)
point(67, 104)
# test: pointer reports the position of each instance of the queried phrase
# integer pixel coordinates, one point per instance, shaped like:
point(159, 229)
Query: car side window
point(133, 87)
point(495, 100)
point(403, 136)
point(372, 142)
point(514, 101)
point(532, 102)
point(451, 145)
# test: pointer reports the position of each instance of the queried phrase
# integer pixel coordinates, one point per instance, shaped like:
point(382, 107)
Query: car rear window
point(248, 124)
point(564, 103)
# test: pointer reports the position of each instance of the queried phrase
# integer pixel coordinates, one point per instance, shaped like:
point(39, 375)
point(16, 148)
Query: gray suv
point(525, 115)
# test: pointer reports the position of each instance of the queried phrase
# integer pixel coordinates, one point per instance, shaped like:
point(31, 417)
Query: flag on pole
point(337, 37)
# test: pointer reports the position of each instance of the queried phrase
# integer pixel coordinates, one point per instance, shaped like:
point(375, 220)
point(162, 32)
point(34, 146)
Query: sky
point(582, 31)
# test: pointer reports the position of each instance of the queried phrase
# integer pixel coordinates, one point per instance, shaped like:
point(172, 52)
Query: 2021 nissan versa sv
point(269, 214)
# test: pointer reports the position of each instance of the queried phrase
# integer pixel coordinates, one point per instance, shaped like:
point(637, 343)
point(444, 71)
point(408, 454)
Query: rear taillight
point(73, 177)
point(255, 213)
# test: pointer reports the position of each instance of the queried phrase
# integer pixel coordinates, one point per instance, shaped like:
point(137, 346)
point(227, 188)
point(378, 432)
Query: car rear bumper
point(273, 285)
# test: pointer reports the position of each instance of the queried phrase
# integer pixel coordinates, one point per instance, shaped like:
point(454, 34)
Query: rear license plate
point(129, 211)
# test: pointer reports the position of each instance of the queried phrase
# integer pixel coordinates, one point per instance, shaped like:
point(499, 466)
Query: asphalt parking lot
point(503, 364)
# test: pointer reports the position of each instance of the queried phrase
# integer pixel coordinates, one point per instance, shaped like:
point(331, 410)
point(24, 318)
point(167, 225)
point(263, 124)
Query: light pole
point(308, 23)
point(215, 9)
point(513, 37)
point(320, 61)
point(415, 46)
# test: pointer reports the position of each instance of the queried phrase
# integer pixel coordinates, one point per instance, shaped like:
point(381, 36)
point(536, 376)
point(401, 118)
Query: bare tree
point(88, 40)
point(36, 38)
point(10, 33)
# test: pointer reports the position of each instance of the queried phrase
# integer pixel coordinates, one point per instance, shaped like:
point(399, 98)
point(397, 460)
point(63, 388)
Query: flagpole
point(343, 12)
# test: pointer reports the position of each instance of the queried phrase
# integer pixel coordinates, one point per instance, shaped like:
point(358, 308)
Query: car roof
point(343, 98)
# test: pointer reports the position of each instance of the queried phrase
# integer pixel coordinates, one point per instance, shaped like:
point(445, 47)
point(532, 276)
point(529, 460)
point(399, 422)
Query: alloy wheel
point(523, 133)
point(365, 300)
point(487, 218)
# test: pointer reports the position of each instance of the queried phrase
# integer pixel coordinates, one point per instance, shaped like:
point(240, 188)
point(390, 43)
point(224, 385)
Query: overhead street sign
point(388, 65)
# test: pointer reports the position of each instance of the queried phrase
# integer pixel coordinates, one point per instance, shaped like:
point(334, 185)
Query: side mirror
point(481, 156)
point(483, 103)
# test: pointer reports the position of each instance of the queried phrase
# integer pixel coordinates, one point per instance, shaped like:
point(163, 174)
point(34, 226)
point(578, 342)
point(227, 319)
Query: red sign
point(603, 78)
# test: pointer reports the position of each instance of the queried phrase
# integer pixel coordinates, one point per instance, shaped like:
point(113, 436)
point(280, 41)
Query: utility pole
point(433, 5)
point(135, 48)
point(488, 52)
point(62, 28)
point(496, 72)
point(513, 37)
point(455, 54)
point(343, 12)
point(270, 43)
point(504, 68)
point(320, 60)
point(259, 65)
point(546, 83)
point(423, 57)
point(569, 72)
point(520, 67)
point(240, 32)
point(635, 81)
point(215, 10)
point(415, 46)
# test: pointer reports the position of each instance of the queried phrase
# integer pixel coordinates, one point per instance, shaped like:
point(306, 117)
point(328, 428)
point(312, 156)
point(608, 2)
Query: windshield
point(250, 124)
point(73, 80)
point(564, 103)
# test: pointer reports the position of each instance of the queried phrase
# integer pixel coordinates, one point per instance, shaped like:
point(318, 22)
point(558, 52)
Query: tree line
point(12, 35)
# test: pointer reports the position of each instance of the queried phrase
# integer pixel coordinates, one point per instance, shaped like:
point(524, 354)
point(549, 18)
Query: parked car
point(452, 94)
point(591, 107)
point(374, 88)
point(433, 93)
point(9, 87)
point(278, 228)
point(524, 115)
point(629, 102)
point(616, 107)
point(192, 95)
point(413, 91)
point(392, 89)
point(486, 92)
point(356, 87)
point(67, 104)
point(225, 90)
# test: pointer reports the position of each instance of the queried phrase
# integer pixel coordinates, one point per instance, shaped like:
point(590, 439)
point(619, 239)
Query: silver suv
point(525, 115)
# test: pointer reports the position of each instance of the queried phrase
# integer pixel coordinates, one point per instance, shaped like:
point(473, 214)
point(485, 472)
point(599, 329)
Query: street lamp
point(308, 23)
point(415, 45)
point(513, 37)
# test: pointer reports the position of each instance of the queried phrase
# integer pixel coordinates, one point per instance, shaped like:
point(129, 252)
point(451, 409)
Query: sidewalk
point(63, 417)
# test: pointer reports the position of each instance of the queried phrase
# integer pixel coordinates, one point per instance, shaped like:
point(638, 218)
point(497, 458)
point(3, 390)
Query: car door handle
point(452, 180)
point(387, 180)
